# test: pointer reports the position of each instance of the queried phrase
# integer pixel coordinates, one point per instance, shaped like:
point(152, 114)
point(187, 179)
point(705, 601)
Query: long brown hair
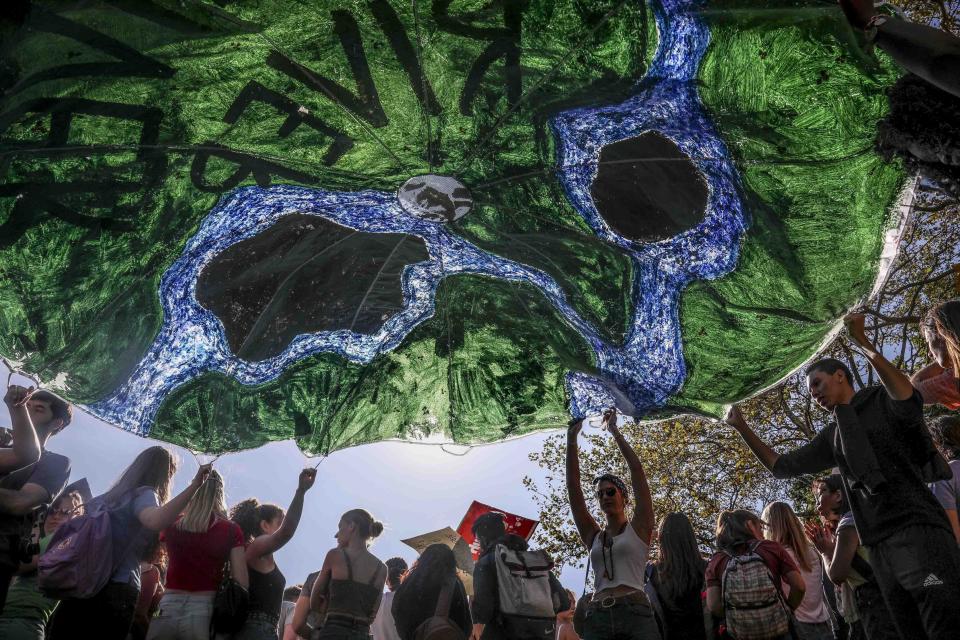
point(945, 320)
point(783, 526)
point(732, 530)
point(153, 468)
point(679, 564)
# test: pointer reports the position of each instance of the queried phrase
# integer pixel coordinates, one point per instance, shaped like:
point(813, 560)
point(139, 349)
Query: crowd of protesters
point(881, 561)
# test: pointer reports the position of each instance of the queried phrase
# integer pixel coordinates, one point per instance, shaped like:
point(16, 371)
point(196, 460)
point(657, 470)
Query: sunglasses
point(608, 492)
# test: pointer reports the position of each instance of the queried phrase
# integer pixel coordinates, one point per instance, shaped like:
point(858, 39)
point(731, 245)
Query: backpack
point(525, 593)
point(439, 626)
point(79, 560)
point(754, 608)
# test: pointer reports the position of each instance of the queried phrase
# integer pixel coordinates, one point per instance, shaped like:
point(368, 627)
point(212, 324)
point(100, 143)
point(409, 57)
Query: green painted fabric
point(215, 227)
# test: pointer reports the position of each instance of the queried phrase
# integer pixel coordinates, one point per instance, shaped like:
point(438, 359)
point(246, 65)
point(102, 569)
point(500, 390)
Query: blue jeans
point(259, 626)
point(182, 616)
point(626, 621)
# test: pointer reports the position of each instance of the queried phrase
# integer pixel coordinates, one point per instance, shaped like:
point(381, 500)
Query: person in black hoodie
point(879, 442)
point(488, 622)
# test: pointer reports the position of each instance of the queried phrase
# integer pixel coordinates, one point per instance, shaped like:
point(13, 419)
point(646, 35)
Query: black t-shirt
point(896, 431)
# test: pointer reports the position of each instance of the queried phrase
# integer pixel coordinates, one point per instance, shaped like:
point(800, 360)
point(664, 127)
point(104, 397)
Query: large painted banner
point(229, 222)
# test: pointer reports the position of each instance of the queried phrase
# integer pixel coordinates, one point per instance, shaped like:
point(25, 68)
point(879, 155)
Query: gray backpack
point(525, 593)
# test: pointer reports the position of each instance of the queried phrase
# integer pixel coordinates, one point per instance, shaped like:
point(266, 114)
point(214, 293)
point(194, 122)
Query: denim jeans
point(623, 621)
point(182, 616)
point(918, 571)
point(259, 626)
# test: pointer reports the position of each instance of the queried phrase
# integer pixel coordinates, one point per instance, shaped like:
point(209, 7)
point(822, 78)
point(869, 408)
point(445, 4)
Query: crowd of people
point(881, 560)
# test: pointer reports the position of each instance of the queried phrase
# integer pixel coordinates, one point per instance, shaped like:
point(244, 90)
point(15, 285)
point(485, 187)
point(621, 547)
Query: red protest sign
point(515, 524)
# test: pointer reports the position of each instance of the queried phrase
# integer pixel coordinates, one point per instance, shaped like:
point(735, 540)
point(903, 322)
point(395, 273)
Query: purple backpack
point(79, 560)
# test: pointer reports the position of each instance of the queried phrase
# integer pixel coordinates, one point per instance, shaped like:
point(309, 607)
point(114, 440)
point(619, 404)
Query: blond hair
point(783, 526)
point(207, 502)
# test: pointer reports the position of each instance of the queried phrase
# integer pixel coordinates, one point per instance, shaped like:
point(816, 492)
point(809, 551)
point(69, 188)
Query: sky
point(411, 488)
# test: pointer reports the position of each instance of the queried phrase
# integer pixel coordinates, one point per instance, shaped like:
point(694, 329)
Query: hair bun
point(376, 528)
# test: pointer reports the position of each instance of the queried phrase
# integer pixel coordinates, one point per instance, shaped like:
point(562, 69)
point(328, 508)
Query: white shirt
point(383, 627)
point(629, 554)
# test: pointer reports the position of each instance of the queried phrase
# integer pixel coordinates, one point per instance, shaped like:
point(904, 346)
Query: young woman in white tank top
point(618, 551)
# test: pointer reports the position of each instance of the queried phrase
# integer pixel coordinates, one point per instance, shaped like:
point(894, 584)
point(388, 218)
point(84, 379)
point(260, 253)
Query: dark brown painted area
point(305, 274)
point(647, 189)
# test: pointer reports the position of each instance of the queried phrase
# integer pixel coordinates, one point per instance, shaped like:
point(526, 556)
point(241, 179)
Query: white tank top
point(629, 555)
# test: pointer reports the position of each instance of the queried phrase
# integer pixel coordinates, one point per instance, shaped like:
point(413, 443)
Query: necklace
point(604, 547)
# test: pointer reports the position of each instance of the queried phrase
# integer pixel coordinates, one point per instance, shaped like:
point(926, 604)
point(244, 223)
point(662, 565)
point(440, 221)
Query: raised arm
point(767, 456)
point(643, 521)
point(813, 457)
point(587, 527)
point(896, 382)
point(266, 544)
point(26, 445)
point(159, 518)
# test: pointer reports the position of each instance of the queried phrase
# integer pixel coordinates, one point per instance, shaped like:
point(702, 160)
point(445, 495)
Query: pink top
point(813, 607)
point(942, 389)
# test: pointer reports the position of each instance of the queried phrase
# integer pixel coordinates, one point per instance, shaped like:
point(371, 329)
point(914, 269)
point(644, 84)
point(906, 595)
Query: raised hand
point(573, 428)
point(203, 472)
point(17, 396)
point(856, 327)
point(610, 420)
point(734, 417)
point(307, 477)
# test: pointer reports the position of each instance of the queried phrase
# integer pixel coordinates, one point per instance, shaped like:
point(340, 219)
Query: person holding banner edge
point(619, 550)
